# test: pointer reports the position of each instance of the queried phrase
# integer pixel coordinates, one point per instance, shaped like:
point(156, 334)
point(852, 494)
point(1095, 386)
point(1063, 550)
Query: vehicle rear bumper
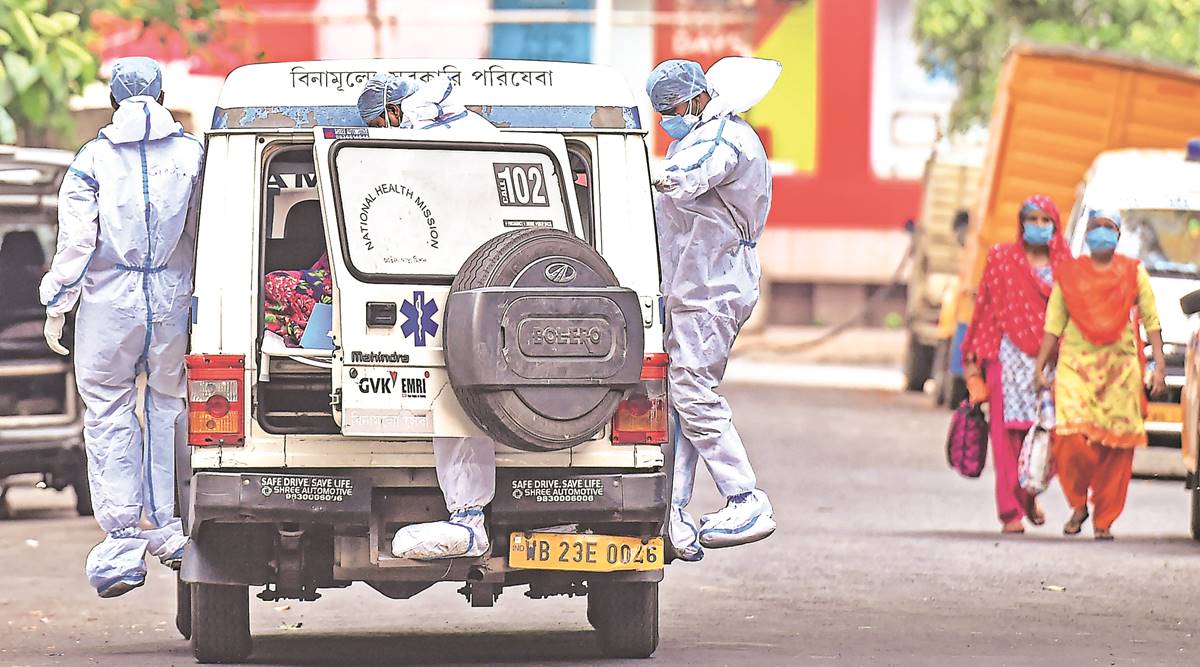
point(531, 496)
point(39, 449)
point(344, 520)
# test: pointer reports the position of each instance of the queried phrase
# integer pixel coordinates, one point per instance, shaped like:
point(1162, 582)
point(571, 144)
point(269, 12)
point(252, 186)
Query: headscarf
point(380, 91)
point(1107, 214)
point(1099, 300)
point(432, 104)
point(675, 81)
point(1012, 297)
point(135, 76)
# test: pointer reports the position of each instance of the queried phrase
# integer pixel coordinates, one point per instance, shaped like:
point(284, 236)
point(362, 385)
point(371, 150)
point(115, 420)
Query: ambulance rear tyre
point(220, 623)
point(625, 616)
point(183, 607)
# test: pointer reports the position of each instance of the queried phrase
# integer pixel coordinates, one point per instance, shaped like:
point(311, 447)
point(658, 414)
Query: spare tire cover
point(541, 342)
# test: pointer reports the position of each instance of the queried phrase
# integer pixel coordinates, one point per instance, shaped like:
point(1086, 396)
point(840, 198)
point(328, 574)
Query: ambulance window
point(581, 176)
point(417, 211)
point(294, 232)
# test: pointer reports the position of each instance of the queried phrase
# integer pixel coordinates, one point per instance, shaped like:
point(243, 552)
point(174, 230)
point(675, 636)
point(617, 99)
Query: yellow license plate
point(584, 553)
point(1171, 413)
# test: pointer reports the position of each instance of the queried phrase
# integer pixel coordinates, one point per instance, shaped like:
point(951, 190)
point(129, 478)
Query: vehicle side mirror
point(910, 226)
point(1191, 303)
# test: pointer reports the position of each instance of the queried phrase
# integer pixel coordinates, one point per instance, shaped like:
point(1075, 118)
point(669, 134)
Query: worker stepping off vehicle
point(713, 195)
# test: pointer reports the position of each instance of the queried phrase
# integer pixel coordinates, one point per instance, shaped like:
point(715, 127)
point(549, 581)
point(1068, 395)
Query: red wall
point(844, 192)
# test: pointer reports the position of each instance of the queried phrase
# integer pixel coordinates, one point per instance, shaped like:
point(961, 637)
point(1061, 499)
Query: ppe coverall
point(125, 255)
point(466, 467)
point(711, 205)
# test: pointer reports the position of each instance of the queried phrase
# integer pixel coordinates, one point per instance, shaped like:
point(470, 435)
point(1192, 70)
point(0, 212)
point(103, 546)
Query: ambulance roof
point(509, 93)
point(1144, 178)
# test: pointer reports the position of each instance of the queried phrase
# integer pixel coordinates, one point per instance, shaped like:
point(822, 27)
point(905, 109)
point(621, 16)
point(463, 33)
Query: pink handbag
point(966, 444)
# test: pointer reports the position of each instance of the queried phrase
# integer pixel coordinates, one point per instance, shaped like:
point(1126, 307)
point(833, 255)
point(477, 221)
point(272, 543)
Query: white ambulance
point(483, 283)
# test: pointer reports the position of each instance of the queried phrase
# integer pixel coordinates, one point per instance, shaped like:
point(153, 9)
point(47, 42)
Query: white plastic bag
point(1035, 468)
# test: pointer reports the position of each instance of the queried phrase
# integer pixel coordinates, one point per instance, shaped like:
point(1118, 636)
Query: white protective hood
point(741, 82)
point(140, 118)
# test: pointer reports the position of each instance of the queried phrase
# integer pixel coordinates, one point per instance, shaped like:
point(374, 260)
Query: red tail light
point(642, 416)
point(216, 399)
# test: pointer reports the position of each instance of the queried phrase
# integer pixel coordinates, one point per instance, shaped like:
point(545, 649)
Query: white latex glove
point(661, 180)
point(53, 331)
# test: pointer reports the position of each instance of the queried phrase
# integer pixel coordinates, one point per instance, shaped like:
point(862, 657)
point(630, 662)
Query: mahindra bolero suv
point(500, 283)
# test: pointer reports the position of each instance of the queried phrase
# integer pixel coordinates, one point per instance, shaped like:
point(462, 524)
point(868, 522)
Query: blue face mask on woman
point(1035, 234)
point(677, 127)
point(1102, 239)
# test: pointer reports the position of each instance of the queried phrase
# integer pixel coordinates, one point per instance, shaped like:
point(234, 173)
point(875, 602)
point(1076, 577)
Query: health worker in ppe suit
point(124, 254)
point(466, 467)
point(713, 194)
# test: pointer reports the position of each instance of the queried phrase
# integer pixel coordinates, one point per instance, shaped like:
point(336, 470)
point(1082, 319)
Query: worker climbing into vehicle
point(466, 467)
point(379, 102)
point(713, 195)
point(125, 250)
point(435, 105)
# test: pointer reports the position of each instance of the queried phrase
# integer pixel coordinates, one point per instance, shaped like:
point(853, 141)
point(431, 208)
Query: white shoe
point(166, 544)
point(463, 536)
point(684, 534)
point(746, 518)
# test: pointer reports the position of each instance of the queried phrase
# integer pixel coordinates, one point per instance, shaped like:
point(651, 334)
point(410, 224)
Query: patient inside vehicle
point(298, 276)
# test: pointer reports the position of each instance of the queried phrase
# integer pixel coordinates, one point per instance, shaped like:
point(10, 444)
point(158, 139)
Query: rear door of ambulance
point(403, 210)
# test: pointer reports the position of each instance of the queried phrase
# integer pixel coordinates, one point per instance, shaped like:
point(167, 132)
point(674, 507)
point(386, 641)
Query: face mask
point(1035, 234)
point(678, 126)
point(1102, 239)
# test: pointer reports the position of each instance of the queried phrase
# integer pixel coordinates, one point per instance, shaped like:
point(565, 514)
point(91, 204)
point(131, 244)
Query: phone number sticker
point(520, 184)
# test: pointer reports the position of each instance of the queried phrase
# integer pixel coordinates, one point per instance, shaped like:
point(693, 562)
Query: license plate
point(584, 553)
point(1170, 413)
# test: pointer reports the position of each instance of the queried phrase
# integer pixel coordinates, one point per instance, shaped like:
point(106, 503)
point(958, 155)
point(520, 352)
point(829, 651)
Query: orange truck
point(1056, 110)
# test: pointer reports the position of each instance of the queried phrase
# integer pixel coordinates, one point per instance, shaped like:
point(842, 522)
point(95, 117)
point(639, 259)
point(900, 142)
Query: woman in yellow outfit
point(1099, 385)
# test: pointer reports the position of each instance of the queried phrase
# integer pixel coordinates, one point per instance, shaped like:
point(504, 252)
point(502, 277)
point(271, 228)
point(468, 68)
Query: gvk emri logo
point(378, 385)
point(419, 323)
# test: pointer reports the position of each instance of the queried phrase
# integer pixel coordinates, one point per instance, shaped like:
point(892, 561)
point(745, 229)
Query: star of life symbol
point(418, 319)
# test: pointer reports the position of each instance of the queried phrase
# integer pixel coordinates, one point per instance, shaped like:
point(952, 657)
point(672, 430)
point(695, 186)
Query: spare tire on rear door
point(541, 342)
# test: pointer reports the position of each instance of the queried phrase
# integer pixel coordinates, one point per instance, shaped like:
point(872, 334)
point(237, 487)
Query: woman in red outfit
point(1003, 340)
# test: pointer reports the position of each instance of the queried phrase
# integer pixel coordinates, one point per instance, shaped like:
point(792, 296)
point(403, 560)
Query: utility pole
point(602, 33)
point(376, 26)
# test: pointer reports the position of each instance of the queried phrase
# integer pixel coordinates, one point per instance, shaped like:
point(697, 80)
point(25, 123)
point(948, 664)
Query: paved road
point(883, 557)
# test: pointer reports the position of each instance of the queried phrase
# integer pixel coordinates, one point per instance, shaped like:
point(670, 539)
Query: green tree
point(967, 39)
point(46, 56)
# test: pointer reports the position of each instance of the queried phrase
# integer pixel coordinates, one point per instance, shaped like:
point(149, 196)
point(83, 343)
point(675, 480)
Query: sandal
point(1013, 528)
point(1034, 512)
point(1103, 535)
point(1075, 523)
